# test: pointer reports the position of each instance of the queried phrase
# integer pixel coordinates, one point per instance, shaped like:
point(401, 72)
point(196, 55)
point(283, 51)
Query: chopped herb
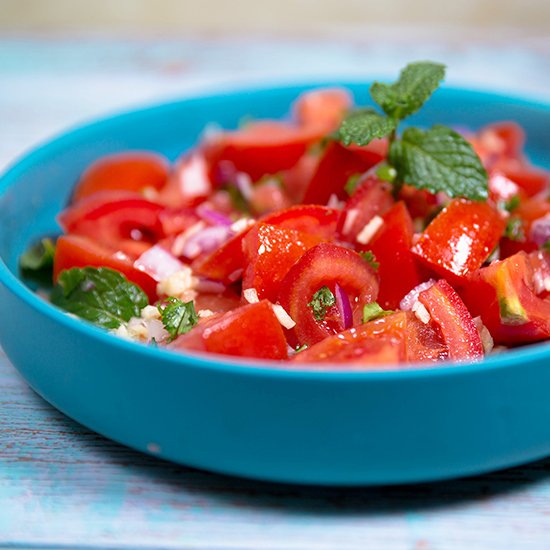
point(438, 159)
point(36, 263)
point(374, 311)
point(351, 184)
point(512, 204)
point(178, 317)
point(321, 301)
point(370, 258)
point(514, 229)
point(100, 295)
point(546, 246)
point(386, 173)
point(237, 199)
point(300, 348)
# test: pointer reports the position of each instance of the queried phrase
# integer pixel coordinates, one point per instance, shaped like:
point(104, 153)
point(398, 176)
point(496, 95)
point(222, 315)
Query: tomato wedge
point(460, 238)
point(270, 252)
point(307, 218)
point(324, 108)
point(452, 318)
point(112, 219)
point(336, 166)
point(76, 251)
point(325, 265)
point(399, 271)
point(511, 298)
point(128, 171)
point(252, 330)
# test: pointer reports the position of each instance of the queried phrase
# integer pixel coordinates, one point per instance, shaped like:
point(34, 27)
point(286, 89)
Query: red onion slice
point(212, 216)
point(206, 240)
point(540, 230)
point(344, 306)
point(158, 263)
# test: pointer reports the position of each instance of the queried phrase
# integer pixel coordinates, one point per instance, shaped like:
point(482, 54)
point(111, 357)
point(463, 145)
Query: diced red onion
point(502, 186)
point(206, 240)
point(225, 172)
point(209, 287)
point(283, 317)
point(158, 263)
point(212, 216)
point(251, 295)
point(408, 301)
point(540, 230)
point(344, 306)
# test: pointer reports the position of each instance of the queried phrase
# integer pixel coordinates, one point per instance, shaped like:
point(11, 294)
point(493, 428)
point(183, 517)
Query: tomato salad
point(325, 237)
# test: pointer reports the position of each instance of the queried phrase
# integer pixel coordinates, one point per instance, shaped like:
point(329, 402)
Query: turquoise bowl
point(248, 418)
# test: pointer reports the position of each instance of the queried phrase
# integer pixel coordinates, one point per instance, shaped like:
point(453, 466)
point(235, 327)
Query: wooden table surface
point(62, 486)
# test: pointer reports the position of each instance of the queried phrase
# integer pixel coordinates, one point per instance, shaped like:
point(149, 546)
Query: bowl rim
point(228, 364)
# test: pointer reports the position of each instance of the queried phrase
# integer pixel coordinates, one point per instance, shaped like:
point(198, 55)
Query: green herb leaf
point(370, 258)
point(514, 229)
point(39, 256)
point(352, 183)
point(321, 301)
point(385, 172)
point(178, 317)
point(374, 311)
point(300, 348)
point(512, 204)
point(364, 125)
point(416, 83)
point(439, 159)
point(546, 246)
point(99, 295)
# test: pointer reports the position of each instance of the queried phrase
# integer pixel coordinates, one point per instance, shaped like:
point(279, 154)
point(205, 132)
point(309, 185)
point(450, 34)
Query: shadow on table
point(174, 480)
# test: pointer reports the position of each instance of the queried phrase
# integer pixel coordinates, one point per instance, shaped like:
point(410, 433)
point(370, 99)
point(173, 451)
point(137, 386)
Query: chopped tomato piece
point(420, 202)
point(335, 167)
point(398, 269)
point(309, 218)
point(324, 108)
point(252, 330)
point(529, 179)
point(128, 171)
point(270, 252)
point(372, 197)
point(452, 318)
point(296, 180)
point(263, 147)
point(460, 238)
point(325, 265)
point(76, 251)
point(115, 222)
point(510, 297)
point(189, 184)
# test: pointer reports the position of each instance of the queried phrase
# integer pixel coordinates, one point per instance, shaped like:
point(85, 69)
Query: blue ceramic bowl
point(255, 419)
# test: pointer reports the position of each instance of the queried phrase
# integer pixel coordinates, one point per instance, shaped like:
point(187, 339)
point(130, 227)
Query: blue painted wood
point(62, 486)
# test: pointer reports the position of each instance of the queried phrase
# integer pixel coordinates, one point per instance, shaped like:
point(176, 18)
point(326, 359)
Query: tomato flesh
point(460, 238)
point(310, 218)
point(325, 265)
point(77, 251)
point(128, 171)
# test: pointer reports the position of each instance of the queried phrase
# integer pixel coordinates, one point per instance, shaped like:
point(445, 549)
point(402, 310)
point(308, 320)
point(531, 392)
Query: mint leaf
point(364, 125)
point(439, 159)
point(178, 317)
point(38, 256)
point(373, 311)
point(514, 229)
point(370, 258)
point(321, 301)
point(416, 83)
point(99, 295)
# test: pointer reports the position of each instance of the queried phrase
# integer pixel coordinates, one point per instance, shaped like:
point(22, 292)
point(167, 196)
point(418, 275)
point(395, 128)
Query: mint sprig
point(177, 316)
point(437, 159)
point(100, 295)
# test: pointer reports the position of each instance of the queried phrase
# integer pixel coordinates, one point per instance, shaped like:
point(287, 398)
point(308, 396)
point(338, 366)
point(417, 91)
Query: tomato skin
point(451, 316)
point(127, 171)
point(504, 294)
point(393, 339)
point(336, 165)
point(270, 252)
point(113, 220)
point(460, 238)
point(371, 198)
point(309, 218)
point(399, 271)
point(263, 147)
point(325, 108)
point(325, 265)
point(77, 251)
point(251, 330)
